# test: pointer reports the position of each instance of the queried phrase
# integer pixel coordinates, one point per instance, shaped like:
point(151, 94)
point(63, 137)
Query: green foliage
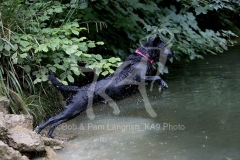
point(53, 48)
point(189, 39)
point(42, 40)
point(203, 7)
point(21, 102)
point(133, 20)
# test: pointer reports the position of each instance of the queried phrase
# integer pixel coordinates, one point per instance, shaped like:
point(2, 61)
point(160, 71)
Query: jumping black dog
point(130, 76)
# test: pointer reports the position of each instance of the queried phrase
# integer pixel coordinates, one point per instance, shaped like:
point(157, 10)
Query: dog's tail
point(60, 86)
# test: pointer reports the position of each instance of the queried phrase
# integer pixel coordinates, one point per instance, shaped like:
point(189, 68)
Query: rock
point(54, 143)
point(25, 140)
point(4, 105)
point(3, 128)
point(8, 153)
point(13, 120)
point(51, 154)
point(17, 137)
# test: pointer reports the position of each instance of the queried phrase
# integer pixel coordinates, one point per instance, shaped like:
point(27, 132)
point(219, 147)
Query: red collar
point(145, 56)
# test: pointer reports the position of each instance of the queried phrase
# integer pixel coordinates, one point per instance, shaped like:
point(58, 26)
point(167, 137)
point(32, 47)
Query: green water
point(198, 118)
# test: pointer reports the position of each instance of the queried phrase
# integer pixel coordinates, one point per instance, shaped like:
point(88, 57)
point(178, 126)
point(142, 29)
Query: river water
point(198, 118)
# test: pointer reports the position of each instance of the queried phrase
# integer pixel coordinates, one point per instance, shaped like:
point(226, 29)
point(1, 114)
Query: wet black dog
point(130, 76)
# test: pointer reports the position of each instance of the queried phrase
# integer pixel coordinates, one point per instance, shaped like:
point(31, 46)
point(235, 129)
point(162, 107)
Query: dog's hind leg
point(42, 126)
point(56, 120)
point(53, 126)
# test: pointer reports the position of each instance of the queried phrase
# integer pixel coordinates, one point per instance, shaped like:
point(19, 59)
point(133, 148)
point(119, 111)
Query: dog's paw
point(163, 84)
point(50, 136)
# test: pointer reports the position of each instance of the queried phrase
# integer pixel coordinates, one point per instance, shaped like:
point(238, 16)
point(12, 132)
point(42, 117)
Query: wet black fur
point(119, 84)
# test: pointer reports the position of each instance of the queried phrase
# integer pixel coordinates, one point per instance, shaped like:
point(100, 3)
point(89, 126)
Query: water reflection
point(198, 118)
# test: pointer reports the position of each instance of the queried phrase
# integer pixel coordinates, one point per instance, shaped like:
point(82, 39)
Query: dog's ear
point(157, 40)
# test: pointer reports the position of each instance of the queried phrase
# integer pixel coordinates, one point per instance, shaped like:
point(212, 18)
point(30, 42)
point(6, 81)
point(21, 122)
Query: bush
point(38, 42)
point(129, 21)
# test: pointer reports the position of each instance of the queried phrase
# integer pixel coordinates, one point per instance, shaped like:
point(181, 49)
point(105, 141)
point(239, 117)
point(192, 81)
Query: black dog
point(130, 76)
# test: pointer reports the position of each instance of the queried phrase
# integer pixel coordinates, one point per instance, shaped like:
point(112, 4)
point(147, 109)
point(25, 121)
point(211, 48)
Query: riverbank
point(18, 139)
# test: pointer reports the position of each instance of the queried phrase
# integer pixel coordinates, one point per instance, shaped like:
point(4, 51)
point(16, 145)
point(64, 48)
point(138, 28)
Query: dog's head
point(155, 48)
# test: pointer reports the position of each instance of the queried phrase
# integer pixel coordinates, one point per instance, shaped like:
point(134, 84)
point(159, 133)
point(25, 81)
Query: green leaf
point(192, 56)
point(25, 37)
point(6, 53)
point(110, 70)
point(27, 68)
point(98, 57)
point(50, 11)
point(44, 78)
point(64, 82)
point(78, 53)
point(58, 10)
point(98, 70)
point(190, 16)
point(107, 65)
point(15, 47)
point(43, 17)
point(24, 43)
point(70, 78)
point(87, 55)
point(26, 48)
point(104, 73)
point(54, 43)
point(43, 47)
point(114, 60)
point(99, 65)
point(91, 45)
point(82, 44)
point(23, 55)
point(59, 67)
point(84, 48)
point(165, 69)
point(148, 28)
point(83, 5)
point(75, 70)
point(14, 55)
point(52, 68)
point(57, 60)
point(37, 81)
point(7, 47)
point(71, 49)
point(74, 24)
point(100, 43)
point(15, 60)
point(75, 32)
point(82, 38)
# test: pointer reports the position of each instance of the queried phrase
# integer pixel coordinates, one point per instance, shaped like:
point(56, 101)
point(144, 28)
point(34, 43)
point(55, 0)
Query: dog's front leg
point(161, 83)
